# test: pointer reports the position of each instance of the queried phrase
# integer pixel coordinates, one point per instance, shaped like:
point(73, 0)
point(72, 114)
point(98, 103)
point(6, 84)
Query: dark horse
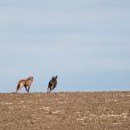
point(52, 83)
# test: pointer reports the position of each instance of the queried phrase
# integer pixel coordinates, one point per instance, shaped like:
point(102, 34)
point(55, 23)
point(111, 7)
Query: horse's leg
point(48, 90)
point(19, 86)
point(26, 88)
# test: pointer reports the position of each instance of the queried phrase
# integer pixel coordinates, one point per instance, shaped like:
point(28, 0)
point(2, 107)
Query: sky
point(85, 42)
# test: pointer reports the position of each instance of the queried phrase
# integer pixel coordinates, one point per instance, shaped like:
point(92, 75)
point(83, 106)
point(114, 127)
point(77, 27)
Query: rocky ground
point(65, 111)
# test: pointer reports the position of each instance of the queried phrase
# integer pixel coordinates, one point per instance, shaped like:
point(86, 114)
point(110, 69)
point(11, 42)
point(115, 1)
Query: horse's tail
point(18, 86)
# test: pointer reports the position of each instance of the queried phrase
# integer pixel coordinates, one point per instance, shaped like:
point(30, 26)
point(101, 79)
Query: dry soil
point(65, 111)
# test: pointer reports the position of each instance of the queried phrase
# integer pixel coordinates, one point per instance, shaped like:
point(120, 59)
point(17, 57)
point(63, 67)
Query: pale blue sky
point(85, 42)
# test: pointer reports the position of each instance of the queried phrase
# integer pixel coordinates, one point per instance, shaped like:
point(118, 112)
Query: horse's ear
point(31, 77)
point(56, 77)
point(53, 77)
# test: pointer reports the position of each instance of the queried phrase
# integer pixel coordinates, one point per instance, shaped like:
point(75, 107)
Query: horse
point(52, 84)
point(25, 83)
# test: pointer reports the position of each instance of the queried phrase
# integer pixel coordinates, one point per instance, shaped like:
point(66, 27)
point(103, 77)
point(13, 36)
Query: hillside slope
point(65, 111)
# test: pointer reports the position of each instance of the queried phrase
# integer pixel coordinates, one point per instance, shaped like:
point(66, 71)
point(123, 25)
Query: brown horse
point(25, 83)
point(52, 84)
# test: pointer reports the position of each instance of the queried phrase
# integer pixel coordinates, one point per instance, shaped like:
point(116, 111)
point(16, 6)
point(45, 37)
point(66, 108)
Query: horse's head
point(31, 78)
point(56, 77)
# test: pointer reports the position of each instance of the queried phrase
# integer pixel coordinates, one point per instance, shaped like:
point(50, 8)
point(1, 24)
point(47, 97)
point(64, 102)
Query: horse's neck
point(29, 81)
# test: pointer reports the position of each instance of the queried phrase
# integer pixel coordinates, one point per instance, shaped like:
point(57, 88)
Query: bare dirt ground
point(65, 111)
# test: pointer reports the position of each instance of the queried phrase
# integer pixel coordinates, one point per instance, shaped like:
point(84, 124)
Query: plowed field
point(65, 111)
